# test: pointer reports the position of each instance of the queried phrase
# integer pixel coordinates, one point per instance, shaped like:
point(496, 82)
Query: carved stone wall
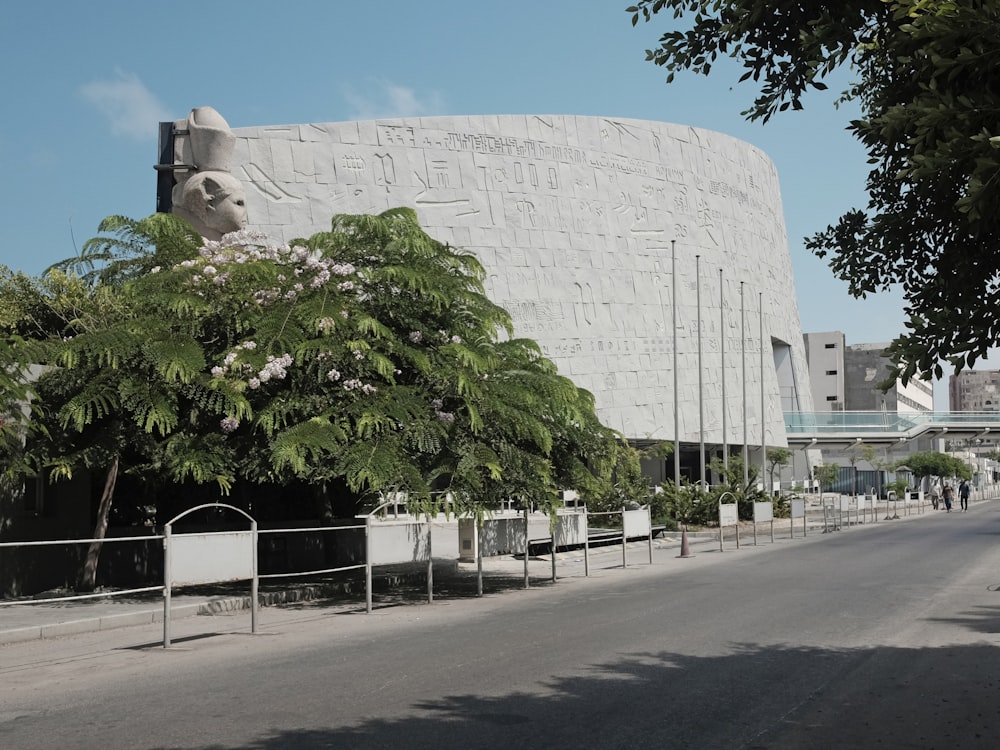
point(573, 218)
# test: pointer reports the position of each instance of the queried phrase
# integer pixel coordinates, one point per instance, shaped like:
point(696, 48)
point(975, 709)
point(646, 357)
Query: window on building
point(831, 398)
point(829, 346)
point(831, 372)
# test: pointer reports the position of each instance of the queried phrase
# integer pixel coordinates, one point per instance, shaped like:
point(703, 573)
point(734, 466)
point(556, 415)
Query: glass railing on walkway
point(902, 423)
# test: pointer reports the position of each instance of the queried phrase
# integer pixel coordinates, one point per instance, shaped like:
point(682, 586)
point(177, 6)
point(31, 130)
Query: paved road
point(884, 636)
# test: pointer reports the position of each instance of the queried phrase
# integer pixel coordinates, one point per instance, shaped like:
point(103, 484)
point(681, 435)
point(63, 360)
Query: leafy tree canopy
point(932, 463)
point(929, 101)
point(367, 356)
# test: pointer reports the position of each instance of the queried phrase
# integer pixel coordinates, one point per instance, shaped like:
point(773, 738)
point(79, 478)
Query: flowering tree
point(366, 359)
point(116, 388)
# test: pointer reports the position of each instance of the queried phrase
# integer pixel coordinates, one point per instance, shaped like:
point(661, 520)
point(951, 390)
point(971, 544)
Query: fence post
point(255, 581)
point(624, 541)
point(479, 557)
point(586, 542)
point(553, 535)
point(527, 581)
point(430, 561)
point(368, 564)
point(166, 585)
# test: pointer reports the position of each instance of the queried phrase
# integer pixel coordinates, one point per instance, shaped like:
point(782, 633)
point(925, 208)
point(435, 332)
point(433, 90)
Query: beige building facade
point(621, 246)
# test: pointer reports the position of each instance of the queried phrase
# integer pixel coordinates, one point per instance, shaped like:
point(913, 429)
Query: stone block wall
point(574, 220)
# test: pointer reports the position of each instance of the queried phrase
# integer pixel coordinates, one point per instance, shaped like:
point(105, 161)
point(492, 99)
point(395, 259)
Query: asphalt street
point(883, 635)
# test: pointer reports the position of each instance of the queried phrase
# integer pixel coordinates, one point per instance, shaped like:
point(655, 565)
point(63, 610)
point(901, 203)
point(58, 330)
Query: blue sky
point(85, 85)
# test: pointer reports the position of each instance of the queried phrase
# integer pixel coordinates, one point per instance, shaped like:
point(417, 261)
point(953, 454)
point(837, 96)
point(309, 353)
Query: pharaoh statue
point(207, 195)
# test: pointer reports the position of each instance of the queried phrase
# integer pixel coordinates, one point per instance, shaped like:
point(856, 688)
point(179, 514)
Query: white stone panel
point(573, 218)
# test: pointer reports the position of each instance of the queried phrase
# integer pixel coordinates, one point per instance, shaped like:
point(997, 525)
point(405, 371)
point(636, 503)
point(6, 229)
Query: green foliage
point(694, 504)
point(745, 493)
point(777, 457)
point(368, 355)
point(122, 252)
point(899, 488)
point(613, 477)
point(688, 505)
point(928, 98)
point(826, 475)
point(932, 463)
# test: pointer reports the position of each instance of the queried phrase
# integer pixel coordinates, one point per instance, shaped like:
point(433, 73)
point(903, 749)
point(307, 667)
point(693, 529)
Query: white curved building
point(574, 219)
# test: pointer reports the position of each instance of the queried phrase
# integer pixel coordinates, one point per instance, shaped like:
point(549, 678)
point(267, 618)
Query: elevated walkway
point(830, 429)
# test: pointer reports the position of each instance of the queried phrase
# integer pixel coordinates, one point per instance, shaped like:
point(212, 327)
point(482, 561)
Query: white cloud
point(130, 107)
point(383, 99)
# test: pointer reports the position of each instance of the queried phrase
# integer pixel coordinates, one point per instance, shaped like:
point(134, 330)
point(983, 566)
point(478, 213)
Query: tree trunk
point(88, 576)
point(324, 507)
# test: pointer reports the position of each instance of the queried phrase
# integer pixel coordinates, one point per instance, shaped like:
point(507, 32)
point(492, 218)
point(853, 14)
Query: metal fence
point(214, 556)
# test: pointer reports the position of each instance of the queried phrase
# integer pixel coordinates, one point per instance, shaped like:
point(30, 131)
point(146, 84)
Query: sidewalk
point(27, 622)
point(40, 620)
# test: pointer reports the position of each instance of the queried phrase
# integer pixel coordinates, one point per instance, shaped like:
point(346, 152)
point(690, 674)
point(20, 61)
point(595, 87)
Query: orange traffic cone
point(685, 548)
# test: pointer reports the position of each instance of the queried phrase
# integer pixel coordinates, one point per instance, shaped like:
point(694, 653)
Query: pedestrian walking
point(949, 497)
point(964, 490)
point(935, 494)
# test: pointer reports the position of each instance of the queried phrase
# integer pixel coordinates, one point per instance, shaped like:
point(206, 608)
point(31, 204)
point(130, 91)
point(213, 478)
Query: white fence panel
point(393, 543)
point(798, 507)
point(205, 558)
point(571, 529)
point(636, 523)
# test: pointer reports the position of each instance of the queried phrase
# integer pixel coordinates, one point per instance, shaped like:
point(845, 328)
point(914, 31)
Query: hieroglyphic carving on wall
point(577, 215)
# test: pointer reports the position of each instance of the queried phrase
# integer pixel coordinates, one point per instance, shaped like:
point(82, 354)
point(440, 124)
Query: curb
point(221, 604)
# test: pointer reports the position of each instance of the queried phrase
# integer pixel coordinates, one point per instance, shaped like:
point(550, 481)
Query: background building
point(848, 377)
point(587, 226)
point(825, 358)
point(866, 368)
point(974, 390)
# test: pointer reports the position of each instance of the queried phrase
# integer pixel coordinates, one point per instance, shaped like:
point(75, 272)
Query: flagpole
point(701, 377)
point(743, 353)
point(673, 320)
point(763, 419)
point(722, 347)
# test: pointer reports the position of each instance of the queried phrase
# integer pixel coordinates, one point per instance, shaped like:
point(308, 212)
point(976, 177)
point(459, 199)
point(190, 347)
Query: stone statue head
point(214, 203)
point(206, 194)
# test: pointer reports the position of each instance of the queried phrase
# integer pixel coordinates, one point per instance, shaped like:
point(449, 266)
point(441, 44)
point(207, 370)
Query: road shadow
point(982, 619)
point(775, 697)
point(412, 589)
